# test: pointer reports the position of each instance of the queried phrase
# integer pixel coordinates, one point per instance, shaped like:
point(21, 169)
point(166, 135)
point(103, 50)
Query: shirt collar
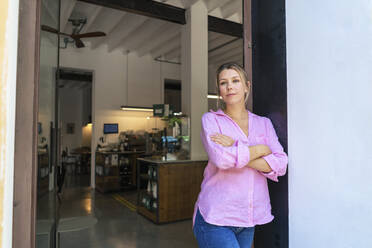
point(220, 112)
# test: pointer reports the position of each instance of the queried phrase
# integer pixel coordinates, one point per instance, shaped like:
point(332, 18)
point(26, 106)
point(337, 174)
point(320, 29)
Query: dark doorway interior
point(269, 80)
point(172, 94)
point(75, 114)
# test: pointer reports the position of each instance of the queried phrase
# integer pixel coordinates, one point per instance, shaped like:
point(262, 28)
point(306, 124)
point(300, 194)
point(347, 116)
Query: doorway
point(172, 94)
point(75, 115)
point(45, 127)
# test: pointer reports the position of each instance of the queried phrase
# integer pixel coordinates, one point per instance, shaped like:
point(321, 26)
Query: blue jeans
point(212, 236)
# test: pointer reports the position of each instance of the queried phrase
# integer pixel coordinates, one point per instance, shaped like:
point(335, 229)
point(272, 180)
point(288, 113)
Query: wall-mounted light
point(133, 108)
point(210, 96)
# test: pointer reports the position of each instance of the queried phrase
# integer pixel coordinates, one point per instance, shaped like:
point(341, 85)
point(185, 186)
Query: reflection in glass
point(46, 197)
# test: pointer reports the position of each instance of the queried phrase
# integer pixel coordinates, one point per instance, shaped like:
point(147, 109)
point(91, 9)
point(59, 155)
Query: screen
point(110, 128)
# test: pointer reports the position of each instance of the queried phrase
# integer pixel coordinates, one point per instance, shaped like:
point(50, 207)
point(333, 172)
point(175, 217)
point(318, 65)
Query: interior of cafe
point(120, 161)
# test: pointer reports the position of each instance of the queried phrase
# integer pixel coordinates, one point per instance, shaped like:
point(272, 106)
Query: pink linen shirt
point(233, 194)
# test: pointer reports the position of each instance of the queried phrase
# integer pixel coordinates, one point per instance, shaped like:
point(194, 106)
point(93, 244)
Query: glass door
point(47, 204)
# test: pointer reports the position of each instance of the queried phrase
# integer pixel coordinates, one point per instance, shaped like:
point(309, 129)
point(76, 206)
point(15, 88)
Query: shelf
point(108, 176)
point(173, 180)
point(144, 192)
point(145, 176)
point(125, 176)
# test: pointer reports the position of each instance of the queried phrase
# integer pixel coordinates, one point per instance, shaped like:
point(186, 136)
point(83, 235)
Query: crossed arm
point(269, 159)
point(256, 152)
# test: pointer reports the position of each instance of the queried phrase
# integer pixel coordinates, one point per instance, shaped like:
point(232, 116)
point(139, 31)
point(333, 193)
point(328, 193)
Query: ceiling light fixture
point(210, 96)
point(134, 108)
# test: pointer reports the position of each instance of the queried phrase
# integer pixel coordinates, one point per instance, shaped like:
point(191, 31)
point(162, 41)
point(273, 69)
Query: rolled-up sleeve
point(235, 156)
point(278, 159)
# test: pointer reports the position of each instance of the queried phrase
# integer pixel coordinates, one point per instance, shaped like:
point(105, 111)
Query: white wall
point(110, 86)
point(144, 86)
point(71, 100)
point(329, 61)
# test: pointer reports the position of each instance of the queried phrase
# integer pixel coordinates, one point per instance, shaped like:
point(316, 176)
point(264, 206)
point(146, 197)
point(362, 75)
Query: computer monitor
point(110, 128)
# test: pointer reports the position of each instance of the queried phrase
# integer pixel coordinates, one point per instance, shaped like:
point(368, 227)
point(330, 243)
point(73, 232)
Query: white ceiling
point(143, 35)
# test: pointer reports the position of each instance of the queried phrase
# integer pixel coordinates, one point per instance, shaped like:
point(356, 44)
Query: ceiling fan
point(75, 36)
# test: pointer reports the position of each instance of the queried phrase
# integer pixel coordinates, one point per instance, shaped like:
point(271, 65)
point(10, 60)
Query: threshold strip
point(125, 202)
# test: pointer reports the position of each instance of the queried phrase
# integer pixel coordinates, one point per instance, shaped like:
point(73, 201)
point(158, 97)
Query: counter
point(116, 171)
point(171, 161)
point(168, 189)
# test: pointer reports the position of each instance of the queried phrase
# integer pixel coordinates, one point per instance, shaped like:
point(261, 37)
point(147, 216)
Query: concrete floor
point(117, 227)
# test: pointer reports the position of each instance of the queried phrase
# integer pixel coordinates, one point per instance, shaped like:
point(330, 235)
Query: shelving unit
point(167, 191)
point(148, 196)
point(116, 171)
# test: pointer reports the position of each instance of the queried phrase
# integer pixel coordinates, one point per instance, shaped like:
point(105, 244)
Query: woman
point(243, 151)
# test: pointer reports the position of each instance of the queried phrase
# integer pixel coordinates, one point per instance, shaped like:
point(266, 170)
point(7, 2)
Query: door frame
point(25, 154)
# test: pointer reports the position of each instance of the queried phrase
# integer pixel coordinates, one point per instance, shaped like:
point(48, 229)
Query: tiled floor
point(117, 226)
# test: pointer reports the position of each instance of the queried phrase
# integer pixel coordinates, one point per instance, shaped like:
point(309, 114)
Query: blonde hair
point(242, 74)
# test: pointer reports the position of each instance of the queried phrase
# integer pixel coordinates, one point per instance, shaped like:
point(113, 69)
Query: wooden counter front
point(178, 186)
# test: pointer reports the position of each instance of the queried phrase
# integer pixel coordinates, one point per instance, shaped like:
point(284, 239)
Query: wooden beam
point(169, 13)
point(225, 27)
point(144, 7)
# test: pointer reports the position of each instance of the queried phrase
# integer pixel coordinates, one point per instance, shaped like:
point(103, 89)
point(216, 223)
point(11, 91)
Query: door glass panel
point(46, 191)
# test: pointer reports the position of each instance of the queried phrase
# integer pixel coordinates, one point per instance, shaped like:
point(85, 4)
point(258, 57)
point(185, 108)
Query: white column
point(329, 61)
point(195, 72)
point(8, 71)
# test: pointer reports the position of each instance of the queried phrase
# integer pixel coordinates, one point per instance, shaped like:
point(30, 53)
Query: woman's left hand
point(222, 139)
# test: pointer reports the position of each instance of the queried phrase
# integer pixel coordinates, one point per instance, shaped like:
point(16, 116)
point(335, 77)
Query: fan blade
point(88, 35)
point(52, 30)
point(79, 43)
point(49, 29)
